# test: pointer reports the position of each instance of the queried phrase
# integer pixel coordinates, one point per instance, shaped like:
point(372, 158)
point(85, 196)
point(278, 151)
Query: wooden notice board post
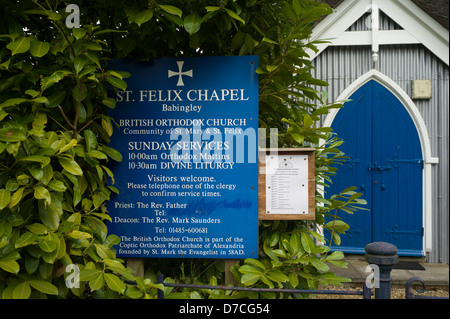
point(286, 184)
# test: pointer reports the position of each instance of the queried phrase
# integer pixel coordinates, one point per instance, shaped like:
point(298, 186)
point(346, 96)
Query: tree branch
point(65, 118)
point(77, 111)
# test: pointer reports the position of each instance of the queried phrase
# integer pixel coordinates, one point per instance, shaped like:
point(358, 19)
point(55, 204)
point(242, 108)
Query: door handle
point(376, 167)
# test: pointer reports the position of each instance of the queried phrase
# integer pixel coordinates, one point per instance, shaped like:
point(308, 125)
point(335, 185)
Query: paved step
point(434, 275)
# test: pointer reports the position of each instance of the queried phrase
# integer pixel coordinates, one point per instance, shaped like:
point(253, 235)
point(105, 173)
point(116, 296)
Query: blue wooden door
point(386, 165)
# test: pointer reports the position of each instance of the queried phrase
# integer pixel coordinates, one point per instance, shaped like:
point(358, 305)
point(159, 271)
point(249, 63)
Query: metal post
point(383, 255)
point(160, 280)
point(367, 293)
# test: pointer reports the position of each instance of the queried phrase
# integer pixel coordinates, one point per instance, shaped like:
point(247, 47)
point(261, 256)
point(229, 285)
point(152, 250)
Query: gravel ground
point(396, 293)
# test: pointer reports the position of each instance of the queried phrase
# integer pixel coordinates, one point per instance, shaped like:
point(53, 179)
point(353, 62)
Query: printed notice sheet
point(287, 184)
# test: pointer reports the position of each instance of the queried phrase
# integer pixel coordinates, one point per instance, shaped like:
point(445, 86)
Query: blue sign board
point(188, 182)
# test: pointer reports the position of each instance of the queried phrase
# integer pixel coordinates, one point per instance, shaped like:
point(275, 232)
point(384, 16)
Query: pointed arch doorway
point(386, 164)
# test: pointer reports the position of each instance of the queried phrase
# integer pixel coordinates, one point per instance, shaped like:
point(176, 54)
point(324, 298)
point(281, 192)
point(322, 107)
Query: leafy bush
point(54, 132)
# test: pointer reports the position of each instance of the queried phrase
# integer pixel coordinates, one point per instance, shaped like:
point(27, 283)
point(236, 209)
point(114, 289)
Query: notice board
point(287, 184)
point(188, 181)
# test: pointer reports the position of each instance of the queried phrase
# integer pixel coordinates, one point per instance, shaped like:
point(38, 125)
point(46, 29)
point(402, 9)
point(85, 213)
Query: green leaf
point(79, 94)
point(293, 279)
point(265, 39)
point(171, 9)
point(110, 102)
point(90, 274)
point(70, 165)
point(36, 172)
point(12, 135)
point(271, 68)
point(255, 263)
point(114, 154)
point(91, 140)
point(22, 291)
point(48, 245)
point(114, 283)
point(13, 101)
point(192, 23)
point(307, 242)
point(212, 8)
point(37, 229)
point(79, 234)
point(295, 243)
point(97, 154)
point(32, 93)
point(31, 264)
point(57, 185)
point(339, 226)
point(320, 265)
point(234, 15)
point(298, 137)
point(79, 62)
point(5, 197)
point(93, 57)
point(16, 197)
point(53, 15)
point(307, 121)
point(44, 160)
point(44, 287)
point(39, 48)
point(250, 279)
point(92, 45)
point(97, 282)
point(274, 238)
point(26, 239)
point(55, 99)
point(107, 126)
point(45, 270)
point(48, 174)
point(336, 238)
point(20, 45)
point(79, 32)
point(54, 78)
point(50, 214)
point(40, 192)
point(247, 269)
point(142, 17)
point(68, 146)
point(10, 266)
point(267, 281)
point(118, 83)
point(336, 255)
point(277, 276)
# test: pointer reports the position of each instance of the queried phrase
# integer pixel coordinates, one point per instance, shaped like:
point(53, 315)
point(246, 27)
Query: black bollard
point(383, 255)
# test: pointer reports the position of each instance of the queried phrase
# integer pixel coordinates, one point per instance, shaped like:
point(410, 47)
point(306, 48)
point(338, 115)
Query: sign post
point(188, 182)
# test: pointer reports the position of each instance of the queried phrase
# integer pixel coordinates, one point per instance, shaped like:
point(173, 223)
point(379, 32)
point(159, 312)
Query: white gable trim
point(418, 27)
point(423, 136)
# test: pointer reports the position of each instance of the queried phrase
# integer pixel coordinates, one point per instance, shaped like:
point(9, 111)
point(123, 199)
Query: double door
point(385, 165)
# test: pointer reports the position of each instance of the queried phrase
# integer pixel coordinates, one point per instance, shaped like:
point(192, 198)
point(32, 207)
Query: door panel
point(397, 197)
point(386, 165)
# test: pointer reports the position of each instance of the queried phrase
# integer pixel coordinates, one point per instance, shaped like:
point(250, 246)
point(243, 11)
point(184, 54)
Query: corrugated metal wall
point(340, 66)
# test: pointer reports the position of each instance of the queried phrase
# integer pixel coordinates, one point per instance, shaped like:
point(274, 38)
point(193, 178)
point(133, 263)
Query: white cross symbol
point(180, 73)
